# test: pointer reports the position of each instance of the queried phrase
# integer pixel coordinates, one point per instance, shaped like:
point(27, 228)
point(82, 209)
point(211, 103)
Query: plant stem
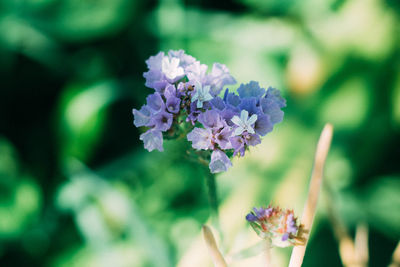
point(268, 258)
point(310, 206)
point(213, 201)
point(216, 255)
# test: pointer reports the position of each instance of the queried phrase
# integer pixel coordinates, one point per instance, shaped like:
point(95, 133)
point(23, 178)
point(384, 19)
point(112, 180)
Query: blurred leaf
point(83, 113)
point(81, 20)
point(20, 210)
point(348, 106)
point(105, 212)
point(396, 102)
point(382, 199)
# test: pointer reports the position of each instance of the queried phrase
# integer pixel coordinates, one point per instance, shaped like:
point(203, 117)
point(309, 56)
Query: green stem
point(212, 197)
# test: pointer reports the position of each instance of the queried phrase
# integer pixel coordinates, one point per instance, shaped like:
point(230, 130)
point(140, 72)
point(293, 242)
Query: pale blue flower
point(244, 123)
point(202, 94)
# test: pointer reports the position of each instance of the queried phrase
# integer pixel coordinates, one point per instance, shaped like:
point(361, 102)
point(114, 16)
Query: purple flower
point(219, 162)
point(250, 104)
point(200, 138)
point(217, 103)
point(251, 139)
point(231, 99)
point(211, 119)
point(185, 60)
point(271, 105)
point(238, 145)
point(197, 72)
point(152, 139)
point(170, 91)
point(251, 89)
point(186, 93)
point(263, 125)
point(277, 225)
point(162, 121)
point(142, 116)
point(275, 95)
point(155, 102)
point(173, 104)
point(222, 138)
point(251, 217)
point(219, 77)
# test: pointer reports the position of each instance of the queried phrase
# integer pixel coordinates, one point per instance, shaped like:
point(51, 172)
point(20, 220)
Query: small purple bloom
point(155, 102)
point(251, 89)
point(211, 119)
point(251, 139)
point(222, 138)
point(200, 138)
point(250, 104)
point(263, 125)
point(197, 72)
point(251, 217)
point(185, 60)
point(170, 91)
point(162, 121)
point(275, 95)
point(173, 104)
point(217, 103)
point(142, 116)
point(219, 162)
point(219, 77)
point(232, 99)
point(152, 139)
point(238, 145)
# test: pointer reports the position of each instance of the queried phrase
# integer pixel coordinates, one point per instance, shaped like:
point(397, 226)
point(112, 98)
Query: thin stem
point(216, 255)
point(307, 219)
point(268, 258)
point(212, 198)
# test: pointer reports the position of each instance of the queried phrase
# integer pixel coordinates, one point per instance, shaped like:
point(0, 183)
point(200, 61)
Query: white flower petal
point(239, 131)
point(244, 115)
point(252, 119)
point(236, 120)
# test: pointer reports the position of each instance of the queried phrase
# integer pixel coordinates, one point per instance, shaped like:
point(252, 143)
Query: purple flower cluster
point(186, 92)
point(278, 225)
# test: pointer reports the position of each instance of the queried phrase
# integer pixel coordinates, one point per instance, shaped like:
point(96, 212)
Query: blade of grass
point(216, 255)
point(307, 219)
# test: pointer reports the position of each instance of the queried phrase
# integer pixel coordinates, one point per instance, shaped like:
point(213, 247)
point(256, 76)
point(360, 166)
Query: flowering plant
point(277, 225)
point(186, 101)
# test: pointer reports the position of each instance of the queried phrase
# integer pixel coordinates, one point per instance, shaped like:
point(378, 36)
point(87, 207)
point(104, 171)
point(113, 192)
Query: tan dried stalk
point(396, 257)
point(361, 245)
point(307, 219)
point(216, 255)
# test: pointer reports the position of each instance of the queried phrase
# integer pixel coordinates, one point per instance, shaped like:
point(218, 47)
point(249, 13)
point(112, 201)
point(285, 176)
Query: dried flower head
point(277, 225)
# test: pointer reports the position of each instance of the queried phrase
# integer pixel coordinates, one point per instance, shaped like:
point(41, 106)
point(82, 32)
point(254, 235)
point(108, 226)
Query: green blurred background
point(78, 189)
